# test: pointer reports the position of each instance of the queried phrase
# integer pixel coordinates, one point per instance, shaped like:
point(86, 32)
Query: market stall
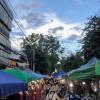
point(38, 75)
point(22, 75)
point(59, 74)
point(86, 79)
point(10, 85)
point(87, 71)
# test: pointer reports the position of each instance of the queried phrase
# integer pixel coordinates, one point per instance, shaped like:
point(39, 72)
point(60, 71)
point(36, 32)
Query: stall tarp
point(83, 74)
point(61, 73)
point(91, 69)
point(83, 67)
point(88, 65)
point(35, 74)
point(10, 85)
point(97, 69)
point(22, 75)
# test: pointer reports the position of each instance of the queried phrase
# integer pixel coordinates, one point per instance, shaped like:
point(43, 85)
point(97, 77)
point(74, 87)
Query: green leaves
point(46, 49)
point(91, 39)
point(72, 62)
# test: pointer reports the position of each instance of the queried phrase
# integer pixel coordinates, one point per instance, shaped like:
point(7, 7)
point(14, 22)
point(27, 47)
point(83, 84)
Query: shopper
point(52, 95)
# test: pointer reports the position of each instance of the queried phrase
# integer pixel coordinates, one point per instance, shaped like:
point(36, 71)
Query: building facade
point(6, 17)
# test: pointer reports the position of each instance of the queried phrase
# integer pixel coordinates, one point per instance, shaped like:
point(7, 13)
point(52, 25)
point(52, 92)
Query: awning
point(83, 74)
point(10, 85)
point(87, 71)
point(35, 74)
point(97, 67)
point(22, 75)
point(61, 73)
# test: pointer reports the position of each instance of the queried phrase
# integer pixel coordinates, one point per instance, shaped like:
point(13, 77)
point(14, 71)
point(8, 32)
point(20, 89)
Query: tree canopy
point(91, 40)
point(71, 62)
point(43, 51)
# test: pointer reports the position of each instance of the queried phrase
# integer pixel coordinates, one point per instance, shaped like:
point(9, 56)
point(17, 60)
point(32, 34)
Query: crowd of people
point(46, 90)
point(56, 89)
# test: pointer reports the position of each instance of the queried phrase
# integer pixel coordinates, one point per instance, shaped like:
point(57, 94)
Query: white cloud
point(52, 22)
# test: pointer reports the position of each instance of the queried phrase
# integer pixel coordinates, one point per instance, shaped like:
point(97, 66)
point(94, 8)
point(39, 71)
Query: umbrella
point(10, 85)
point(22, 75)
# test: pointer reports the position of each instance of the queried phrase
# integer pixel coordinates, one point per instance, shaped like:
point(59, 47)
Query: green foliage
point(91, 40)
point(45, 49)
point(71, 62)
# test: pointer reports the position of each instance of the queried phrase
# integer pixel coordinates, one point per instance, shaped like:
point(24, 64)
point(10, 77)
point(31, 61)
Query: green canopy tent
point(87, 71)
point(19, 74)
point(97, 67)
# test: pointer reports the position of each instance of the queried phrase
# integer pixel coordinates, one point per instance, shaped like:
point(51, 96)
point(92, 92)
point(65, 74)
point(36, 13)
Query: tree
point(91, 40)
point(73, 61)
point(46, 50)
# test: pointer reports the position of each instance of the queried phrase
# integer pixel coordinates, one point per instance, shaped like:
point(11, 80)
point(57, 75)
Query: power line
point(14, 42)
point(17, 22)
point(15, 15)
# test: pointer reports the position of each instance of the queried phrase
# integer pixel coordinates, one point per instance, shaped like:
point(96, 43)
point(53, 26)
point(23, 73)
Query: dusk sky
point(64, 18)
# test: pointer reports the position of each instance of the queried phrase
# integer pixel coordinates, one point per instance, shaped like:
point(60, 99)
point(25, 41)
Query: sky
point(62, 18)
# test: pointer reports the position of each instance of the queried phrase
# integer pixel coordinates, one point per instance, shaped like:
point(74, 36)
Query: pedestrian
point(31, 93)
point(43, 91)
point(47, 87)
point(38, 91)
point(52, 95)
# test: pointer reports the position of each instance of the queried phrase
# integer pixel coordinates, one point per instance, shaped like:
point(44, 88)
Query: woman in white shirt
point(52, 95)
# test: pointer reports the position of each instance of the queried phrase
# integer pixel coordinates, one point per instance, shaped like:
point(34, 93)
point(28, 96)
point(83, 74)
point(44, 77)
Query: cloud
point(73, 37)
point(16, 35)
point(49, 23)
point(54, 30)
point(71, 44)
point(28, 6)
point(52, 24)
point(37, 19)
point(15, 43)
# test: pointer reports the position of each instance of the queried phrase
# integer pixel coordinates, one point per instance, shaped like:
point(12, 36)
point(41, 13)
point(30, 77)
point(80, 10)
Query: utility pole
point(33, 57)
point(33, 65)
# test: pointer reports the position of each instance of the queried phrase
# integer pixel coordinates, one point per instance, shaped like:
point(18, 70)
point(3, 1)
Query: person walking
point(38, 91)
point(52, 95)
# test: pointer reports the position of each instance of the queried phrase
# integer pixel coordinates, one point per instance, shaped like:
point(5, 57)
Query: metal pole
point(33, 58)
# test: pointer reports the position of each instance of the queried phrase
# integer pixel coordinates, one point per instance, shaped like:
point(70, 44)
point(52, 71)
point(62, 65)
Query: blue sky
point(59, 16)
point(74, 10)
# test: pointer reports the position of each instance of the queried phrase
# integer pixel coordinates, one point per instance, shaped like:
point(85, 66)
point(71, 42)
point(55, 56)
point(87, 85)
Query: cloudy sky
point(64, 18)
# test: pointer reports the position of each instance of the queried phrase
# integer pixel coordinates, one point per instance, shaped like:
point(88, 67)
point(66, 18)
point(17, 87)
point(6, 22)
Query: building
point(19, 61)
point(6, 17)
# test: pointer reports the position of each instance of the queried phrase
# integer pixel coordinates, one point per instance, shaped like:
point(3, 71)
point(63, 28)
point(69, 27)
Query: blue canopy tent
point(40, 75)
point(10, 85)
point(61, 73)
point(35, 74)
